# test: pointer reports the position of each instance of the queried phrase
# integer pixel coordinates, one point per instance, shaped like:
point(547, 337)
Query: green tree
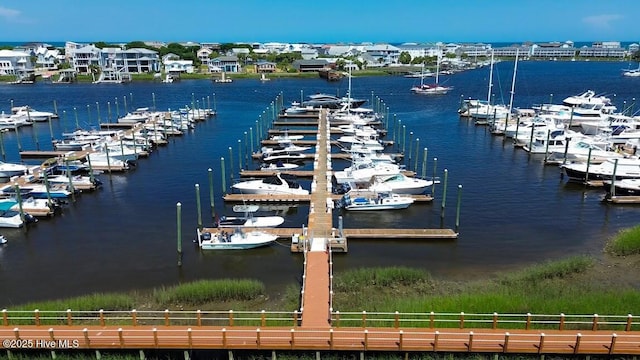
point(404, 58)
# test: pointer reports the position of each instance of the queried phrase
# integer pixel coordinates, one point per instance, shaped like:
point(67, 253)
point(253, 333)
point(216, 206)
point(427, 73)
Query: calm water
point(515, 211)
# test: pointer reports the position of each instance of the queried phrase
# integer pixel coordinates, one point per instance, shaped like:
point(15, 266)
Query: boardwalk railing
point(374, 339)
point(487, 321)
point(362, 319)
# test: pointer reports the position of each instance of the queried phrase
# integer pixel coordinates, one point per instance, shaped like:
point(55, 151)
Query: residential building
point(309, 53)
point(553, 50)
point(203, 55)
point(84, 57)
point(265, 67)
point(383, 53)
point(633, 48)
point(510, 51)
point(420, 50)
point(473, 50)
point(178, 66)
point(225, 64)
point(605, 49)
point(47, 59)
point(14, 62)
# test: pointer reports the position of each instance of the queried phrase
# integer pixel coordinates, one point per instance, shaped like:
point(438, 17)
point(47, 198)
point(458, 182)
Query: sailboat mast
point(490, 80)
point(513, 85)
point(437, 67)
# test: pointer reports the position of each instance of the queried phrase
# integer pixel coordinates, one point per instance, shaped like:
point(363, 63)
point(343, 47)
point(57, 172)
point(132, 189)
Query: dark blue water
point(515, 211)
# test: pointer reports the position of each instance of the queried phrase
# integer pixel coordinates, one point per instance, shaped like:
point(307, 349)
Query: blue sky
point(320, 22)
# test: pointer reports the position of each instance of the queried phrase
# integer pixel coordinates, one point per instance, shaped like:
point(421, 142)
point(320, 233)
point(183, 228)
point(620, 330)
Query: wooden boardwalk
point(315, 297)
point(497, 341)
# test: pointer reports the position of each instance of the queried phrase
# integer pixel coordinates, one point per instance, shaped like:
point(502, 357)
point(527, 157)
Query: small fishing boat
point(279, 165)
point(3, 240)
point(235, 240)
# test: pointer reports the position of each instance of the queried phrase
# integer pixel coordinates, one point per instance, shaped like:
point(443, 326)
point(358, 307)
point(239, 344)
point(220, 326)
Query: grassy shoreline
point(551, 288)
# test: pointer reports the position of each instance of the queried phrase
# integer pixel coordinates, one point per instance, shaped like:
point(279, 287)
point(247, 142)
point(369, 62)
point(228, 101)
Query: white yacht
point(278, 184)
point(400, 184)
point(626, 168)
point(248, 219)
point(8, 170)
point(365, 200)
point(32, 114)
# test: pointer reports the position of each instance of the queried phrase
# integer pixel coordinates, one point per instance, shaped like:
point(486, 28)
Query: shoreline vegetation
point(553, 287)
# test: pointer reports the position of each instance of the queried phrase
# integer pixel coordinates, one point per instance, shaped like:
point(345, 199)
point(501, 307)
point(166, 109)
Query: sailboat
point(431, 89)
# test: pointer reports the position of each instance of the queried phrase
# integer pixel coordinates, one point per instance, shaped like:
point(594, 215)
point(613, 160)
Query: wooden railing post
point(36, 315)
point(134, 317)
point(224, 337)
point(330, 339)
point(462, 320)
point(87, 342)
point(541, 344)
point(612, 349)
point(576, 347)
point(263, 318)
point(199, 317)
point(400, 340)
point(594, 325)
point(230, 317)
point(258, 337)
point(69, 321)
point(561, 325)
point(166, 317)
point(120, 337)
point(396, 320)
point(16, 333)
point(190, 338)
point(432, 319)
point(495, 321)
point(629, 323)
point(505, 347)
point(51, 334)
point(338, 318)
point(155, 337)
point(436, 335)
point(528, 323)
point(101, 314)
point(292, 340)
point(295, 318)
point(5, 318)
point(364, 319)
point(366, 339)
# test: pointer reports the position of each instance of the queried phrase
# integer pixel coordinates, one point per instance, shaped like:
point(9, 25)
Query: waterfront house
point(178, 66)
point(14, 62)
point(203, 55)
point(610, 49)
point(225, 64)
point(47, 59)
point(553, 50)
point(384, 53)
point(135, 60)
point(308, 53)
point(83, 58)
point(265, 67)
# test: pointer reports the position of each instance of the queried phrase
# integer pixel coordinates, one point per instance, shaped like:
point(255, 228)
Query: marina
point(465, 150)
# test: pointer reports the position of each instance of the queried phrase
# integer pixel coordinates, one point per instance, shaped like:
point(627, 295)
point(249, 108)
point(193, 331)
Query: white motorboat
point(79, 182)
point(13, 121)
point(283, 147)
point(249, 220)
point(12, 218)
point(400, 184)
point(32, 206)
point(364, 170)
point(359, 200)
point(278, 165)
point(588, 96)
point(625, 168)
point(32, 114)
point(137, 116)
point(285, 138)
point(579, 150)
point(283, 157)
point(8, 170)
point(278, 184)
point(624, 187)
point(236, 240)
point(39, 191)
point(100, 159)
point(3, 240)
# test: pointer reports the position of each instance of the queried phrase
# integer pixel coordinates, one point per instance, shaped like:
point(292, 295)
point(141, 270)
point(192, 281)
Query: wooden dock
point(623, 199)
point(253, 198)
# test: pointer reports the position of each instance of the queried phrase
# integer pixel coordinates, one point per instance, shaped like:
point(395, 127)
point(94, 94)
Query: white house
point(178, 66)
point(203, 55)
point(47, 58)
point(82, 58)
point(14, 62)
point(383, 53)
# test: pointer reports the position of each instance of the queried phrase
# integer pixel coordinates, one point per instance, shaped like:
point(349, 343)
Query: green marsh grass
point(625, 242)
point(205, 291)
